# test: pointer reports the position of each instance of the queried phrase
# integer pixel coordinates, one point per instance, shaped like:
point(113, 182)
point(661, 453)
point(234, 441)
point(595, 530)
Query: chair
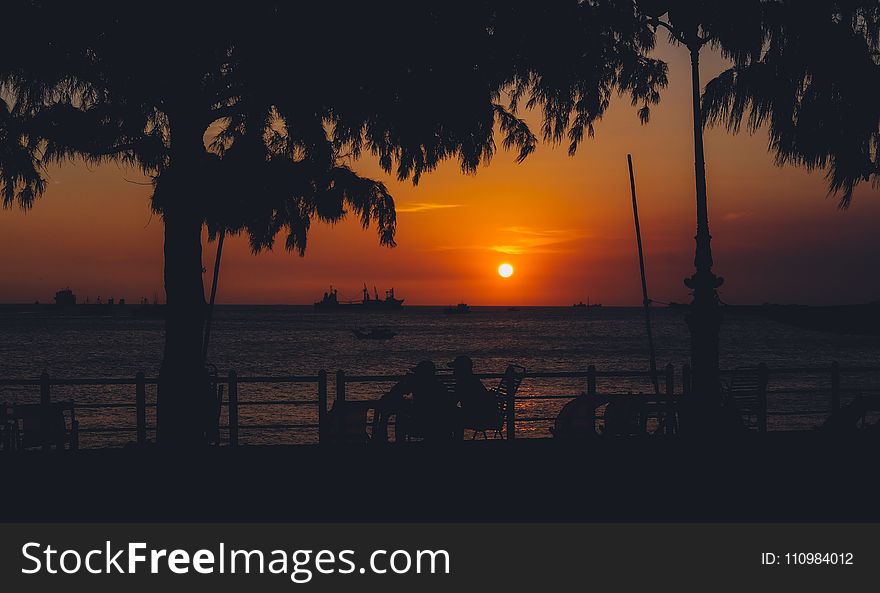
point(351, 427)
point(506, 389)
point(577, 419)
point(746, 395)
point(36, 425)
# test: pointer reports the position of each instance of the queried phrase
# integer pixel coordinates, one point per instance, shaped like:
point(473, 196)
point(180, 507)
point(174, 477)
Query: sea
point(271, 341)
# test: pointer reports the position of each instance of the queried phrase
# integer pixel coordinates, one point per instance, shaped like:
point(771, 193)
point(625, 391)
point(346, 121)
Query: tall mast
point(646, 302)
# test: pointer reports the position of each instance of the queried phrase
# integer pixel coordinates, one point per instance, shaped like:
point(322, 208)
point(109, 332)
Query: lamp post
point(704, 317)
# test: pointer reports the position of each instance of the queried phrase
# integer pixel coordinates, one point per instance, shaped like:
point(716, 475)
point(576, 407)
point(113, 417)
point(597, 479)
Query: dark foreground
point(781, 477)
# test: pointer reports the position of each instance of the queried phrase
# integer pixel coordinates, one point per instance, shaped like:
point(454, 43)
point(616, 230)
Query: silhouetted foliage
point(814, 88)
point(285, 92)
point(21, 180)
point(247, 116)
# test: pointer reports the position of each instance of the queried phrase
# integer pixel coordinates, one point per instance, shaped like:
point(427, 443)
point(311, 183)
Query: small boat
point(587, 305)
point(458, 309)
point(376, 333)
point(512, 309)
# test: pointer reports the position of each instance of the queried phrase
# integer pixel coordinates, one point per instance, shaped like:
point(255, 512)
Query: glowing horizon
point(563, 223)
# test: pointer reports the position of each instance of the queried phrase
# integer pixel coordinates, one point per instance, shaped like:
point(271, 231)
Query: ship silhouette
point(331, 302)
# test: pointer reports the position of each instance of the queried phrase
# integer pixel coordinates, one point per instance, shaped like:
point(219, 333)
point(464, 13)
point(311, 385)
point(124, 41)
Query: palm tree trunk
point(704, 319)
point(183, 380)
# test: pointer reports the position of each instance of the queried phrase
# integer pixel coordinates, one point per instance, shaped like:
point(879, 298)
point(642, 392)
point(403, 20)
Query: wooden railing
point(591, 377)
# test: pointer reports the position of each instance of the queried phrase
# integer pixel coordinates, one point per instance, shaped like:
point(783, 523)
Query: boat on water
point(458, 309)
point(376, 333)
point(331, 302)
point(587, 305)
point(65, 298)
point(66, 303)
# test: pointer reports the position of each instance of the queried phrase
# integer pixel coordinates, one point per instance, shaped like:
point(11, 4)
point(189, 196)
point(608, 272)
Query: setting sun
point(505, 270)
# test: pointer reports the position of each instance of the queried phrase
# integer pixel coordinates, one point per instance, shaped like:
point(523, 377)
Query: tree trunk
point(704, 319)
point(183, 380)
point(183, 395)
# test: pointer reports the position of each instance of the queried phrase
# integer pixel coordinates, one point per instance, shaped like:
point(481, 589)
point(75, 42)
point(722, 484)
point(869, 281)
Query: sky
point(564, 223)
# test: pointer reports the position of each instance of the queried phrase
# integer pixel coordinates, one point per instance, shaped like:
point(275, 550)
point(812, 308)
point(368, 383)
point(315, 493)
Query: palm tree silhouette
point(246, 124)
point(810, 87)
point(735, 29)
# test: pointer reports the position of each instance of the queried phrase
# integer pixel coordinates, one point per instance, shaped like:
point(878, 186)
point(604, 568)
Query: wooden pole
point(45, 412)
point(646, 302)
point(511, 416)
point(339, 404)
point(322, 406)
point(233, 409)
point(140, 396)
point(684, 408)
point(669, 425)
point(216, 278)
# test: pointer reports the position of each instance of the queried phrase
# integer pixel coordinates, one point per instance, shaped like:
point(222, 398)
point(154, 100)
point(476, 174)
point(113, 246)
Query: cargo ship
point(331, 302)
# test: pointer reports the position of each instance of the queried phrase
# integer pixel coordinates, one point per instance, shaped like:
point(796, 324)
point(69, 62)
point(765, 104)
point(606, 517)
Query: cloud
point(524, 240)
point(531, 240)
point(424, 207)
point(740, 215)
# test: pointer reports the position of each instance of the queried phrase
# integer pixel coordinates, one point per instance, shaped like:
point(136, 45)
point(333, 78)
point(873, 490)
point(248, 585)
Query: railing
point(516, 417)
point(140, 405)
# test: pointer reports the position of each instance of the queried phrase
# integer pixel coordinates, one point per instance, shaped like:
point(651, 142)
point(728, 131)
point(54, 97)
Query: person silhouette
point(479, 408)
point(431, 412)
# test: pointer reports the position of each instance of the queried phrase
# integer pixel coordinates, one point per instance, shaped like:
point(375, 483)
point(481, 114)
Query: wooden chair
point(504, 391)
point(38, 425)
point(746, 395)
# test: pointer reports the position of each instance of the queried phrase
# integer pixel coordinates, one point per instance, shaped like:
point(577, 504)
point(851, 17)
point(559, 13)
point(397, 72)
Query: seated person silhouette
point(431, 413)
point(479, 407)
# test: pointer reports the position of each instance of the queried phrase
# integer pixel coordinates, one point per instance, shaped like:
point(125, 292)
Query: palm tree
point(110, 93)
point(735, 29)
point(245, 123)
point(811, 89)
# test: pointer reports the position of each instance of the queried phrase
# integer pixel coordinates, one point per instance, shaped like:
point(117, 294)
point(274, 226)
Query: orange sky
point(564, 223)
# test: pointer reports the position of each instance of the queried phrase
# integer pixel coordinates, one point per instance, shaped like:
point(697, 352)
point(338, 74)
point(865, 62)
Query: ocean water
point(295, 340)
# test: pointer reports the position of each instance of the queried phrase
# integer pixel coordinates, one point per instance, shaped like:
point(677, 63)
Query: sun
point(505, 270)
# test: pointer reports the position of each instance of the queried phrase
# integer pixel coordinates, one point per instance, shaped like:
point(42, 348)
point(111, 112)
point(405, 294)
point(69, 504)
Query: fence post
point(591, 397)
point(140, 398)
point(45, 412)
point(233, 408)
point(685, 405)
point(835, 386)
point(338, 404)
point(322, 407)
point(686, 379)
point(762, 395)
point(511, 415)
point(670, 394)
